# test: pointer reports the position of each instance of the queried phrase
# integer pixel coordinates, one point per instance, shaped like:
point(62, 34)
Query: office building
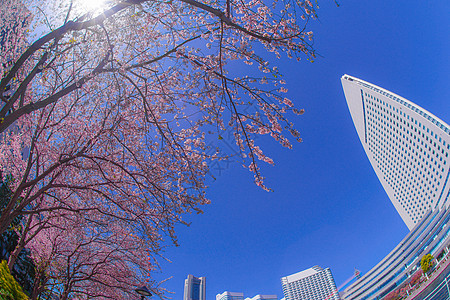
point(240, 296)
point(312, 284)
point(230, 296)
point(407, 146)
point(263, 297)
point(194, 288)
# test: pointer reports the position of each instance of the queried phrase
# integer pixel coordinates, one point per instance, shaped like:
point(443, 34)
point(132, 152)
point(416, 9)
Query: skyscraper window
point(387, 127)
point(194, 288)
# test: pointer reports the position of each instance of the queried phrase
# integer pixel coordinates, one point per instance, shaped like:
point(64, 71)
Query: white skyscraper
point(407, 146)
point(312, 284)
point(194, 288)
point(230, 296)
point(263, 297)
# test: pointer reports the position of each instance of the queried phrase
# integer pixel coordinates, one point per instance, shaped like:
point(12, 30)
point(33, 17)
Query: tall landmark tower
point(194, 288)
point(407, 146)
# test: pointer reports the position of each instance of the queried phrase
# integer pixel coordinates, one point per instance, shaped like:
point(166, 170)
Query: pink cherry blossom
point(106, 117)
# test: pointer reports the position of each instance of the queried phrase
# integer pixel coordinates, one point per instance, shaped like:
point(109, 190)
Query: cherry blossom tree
point(105, 117)
point(107, 262)
point(101, 171)
point(416, 277)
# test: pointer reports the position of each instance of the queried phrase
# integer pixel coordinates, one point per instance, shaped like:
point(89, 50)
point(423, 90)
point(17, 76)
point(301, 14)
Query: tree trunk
point(20, 245)
point(39, 283)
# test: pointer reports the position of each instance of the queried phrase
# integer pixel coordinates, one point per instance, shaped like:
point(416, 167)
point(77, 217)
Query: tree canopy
point(105, 117)
point(426, 262)
point(23, 268)
point(9, 288)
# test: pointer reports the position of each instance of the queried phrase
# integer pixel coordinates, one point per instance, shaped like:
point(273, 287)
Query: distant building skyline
point(263, 297)
point(194, 288)
point(240, 296)
point(230, 296)
point(407, 146)
point(314, 283)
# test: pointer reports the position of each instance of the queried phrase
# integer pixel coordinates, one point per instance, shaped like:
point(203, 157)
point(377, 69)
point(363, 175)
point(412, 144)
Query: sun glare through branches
point(91, 5)
point(114, 100)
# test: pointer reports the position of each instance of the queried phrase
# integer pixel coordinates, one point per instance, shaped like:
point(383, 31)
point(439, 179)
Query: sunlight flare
point(91, 5)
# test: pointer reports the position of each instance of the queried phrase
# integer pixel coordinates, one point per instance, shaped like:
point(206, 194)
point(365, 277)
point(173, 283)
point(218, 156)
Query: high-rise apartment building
point(312, 284)
point(407, 146)
point(230, 296)
point(194, 288)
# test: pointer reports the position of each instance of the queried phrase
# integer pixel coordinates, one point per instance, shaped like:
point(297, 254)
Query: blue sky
point(328, 208)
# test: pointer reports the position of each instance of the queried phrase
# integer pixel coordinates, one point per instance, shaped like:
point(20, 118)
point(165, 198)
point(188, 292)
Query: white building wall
point(407, 146)
point(263, 297)
point(312, 284)
point(230, 296)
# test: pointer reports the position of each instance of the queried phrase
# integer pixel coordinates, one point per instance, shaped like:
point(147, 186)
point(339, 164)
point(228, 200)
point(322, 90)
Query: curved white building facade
point(407, 146)
point(431, 235)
